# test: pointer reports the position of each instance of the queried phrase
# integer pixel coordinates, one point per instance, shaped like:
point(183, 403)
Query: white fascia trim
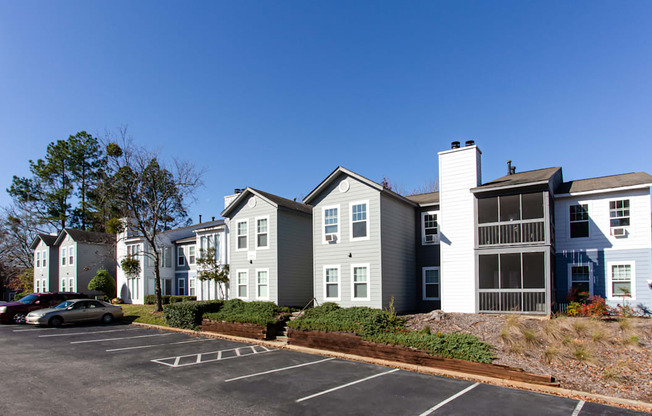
point(604, 191)
point(368, 282)
point(423, 227)
point(237, 283)
point(339, 282)
point(591, 275)
point(246, 221)
point(423, 282)
point(351, 204)
point(323, 223)
point(609, 281)
point(262, 217)
point(266, 270)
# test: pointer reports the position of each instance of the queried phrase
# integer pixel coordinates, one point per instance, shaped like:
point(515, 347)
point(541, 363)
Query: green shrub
point(176, 299)
point(379, 326)
point(20, 295)
point(103, 282)
point(236, 310)
point(188, 315)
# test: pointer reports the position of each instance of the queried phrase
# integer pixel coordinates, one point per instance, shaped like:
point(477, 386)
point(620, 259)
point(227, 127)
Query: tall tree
point(152, 196)
point(87, 162)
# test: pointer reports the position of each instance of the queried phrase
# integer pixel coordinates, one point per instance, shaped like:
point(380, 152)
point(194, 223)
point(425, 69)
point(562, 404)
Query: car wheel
point(55, 321)
point(107, 318)
point(19, 318)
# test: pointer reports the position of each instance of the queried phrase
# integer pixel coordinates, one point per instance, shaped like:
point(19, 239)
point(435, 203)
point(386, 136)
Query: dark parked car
point(17, 311)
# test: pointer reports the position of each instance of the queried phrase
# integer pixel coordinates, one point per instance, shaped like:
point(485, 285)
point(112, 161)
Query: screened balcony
point(512, 219)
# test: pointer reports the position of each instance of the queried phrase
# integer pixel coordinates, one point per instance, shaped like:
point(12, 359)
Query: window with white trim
point(619, 213)
point(191, 255)
point(242, 277)
point(64, 255)
point(261, 232)
point(191, 286)
point(71, 256)
point(181, 287)
point(71, 284)
point(580, 278)
point(44, 285)
point(431, 282)
point(241, 235)
point(332, 282)
point(44, 258)
point(359, 222)
point(262, 284)
point(579, 221)
point(429, 228)
point(38, 286)
point(331, 224)
point(360, 281)
point(63, 285)
point(181, 259)
point(621, 278)
point(38, 259)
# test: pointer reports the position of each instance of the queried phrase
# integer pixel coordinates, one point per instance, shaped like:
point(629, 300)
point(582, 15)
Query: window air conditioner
point(619, 232)
point(432, 238)
point(331, 237)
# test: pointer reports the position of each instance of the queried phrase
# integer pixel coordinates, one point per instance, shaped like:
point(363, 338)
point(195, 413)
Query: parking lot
point(133, 370)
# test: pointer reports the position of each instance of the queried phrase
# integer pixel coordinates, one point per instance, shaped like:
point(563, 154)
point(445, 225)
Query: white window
point(191, 286)
point(63, 256)
point(331, 226)
point(45, 258)
point(579, 221)
point(332, 282)
point(167, 256)
point(430, 276)
point(44, 286)
point(261, 232)
point(181, 287)
point(38, 286)
point(191, 255)
point(620, 277)
point(580, 278)
point(71, 256)
point(242, 277)
point(359, 222)
point(38, 259)
point(262, 284)
point(63, 285)
point(181, 260)
point(241, 234)
point(619, 213)
point(71, 284)
point(429, 228)
point(360, 282)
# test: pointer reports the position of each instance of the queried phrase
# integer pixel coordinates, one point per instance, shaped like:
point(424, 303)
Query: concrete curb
point(555, 391)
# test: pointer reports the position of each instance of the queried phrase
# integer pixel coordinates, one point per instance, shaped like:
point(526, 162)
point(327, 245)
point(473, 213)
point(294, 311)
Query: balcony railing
point(513, 300)
point(495, 234)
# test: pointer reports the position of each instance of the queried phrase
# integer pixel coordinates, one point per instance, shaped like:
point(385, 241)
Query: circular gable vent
point(344, 186)
point(252, 202)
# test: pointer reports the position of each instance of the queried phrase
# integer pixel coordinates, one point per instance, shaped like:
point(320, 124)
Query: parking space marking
point(34, 329)
point(158, 345)
point(312, 396)
point(450, 399)
point(119, 338)
point(212, 356)
point(68, 334)
point(578, 408)
point(279, 369)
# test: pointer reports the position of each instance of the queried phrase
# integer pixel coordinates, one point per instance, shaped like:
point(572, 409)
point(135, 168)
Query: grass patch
point(580, 327)
point(552, 354)
point(143, 314)
point(582, 353)
point(625, 324)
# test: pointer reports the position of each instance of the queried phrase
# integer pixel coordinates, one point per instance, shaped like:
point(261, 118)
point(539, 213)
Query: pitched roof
point(186, 240)
point(91, 237)
point(529, 177)
point(275, 200)
point(359, 177)
point(48, 239)
point(425, 199)
point(605, 182)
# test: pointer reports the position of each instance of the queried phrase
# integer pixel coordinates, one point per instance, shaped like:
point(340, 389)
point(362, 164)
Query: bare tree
point(431, 185)
point(151, 195)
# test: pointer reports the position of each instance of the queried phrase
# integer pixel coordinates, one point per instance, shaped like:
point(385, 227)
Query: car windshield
point(28, 299)
point(64, 305)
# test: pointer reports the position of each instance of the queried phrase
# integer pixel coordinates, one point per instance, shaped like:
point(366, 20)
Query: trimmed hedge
point(378, 326)
point(167, 299)
point(188, 315)
point(236, 310)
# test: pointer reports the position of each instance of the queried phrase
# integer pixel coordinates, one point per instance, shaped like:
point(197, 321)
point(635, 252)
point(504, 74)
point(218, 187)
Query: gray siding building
point(46, 265)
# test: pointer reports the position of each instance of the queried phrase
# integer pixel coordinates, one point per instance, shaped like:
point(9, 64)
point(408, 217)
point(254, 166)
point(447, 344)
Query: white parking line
point(450, 399)
point(158, 345)
point(117, 339)
point(578, 408)
point(68, 334)
point(279, 369)
point(212, 356)
point(312, 396)
point(34, 329)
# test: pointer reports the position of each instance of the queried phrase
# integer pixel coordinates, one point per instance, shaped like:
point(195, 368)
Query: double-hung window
point(44, 258)
point(242, 277)
point(241, 235)
point(360, 281)
point(167, 256)
point(332, 282)
point(621, 278)
point(619, 217)
point(429, 228)
point(430, 277)
point(261, 232)
point(191, 255)
point(38, 286)
point(359, 221)
point(71, 255)
point(44, 285)
point(331, 224)
point(191, 286)
point(71, 284)
point(38, 259)
point(581, 278)
point(579, 221)
point(63, 285)
point(262, 284)
point(64, 254)
point(181, 258)
point(181, 287)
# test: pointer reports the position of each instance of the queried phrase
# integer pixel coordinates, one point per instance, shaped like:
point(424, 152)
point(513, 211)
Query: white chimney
point(459, 171)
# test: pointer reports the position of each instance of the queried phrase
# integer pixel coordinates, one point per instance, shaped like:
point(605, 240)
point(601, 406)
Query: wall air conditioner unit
point(432, 238)
point(331, 238)
point(619, 232)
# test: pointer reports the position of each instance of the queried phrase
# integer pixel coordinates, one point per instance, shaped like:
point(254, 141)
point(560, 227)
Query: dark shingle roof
point(518, 179)
point(48, 239)
point(429, 198)
point(90, 237)
point(186, 240)
point(286, 203)
point(605, 182)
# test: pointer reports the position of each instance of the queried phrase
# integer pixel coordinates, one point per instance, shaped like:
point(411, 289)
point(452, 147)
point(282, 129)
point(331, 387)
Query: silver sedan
point(75, 311)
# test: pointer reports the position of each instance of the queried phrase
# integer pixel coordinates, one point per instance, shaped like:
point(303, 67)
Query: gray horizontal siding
point(294, 259)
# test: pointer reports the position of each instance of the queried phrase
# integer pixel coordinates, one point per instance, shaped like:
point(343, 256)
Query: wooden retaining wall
point(253, 331)
point(353, 344)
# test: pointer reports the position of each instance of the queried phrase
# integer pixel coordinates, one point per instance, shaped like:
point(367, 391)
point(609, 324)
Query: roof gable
point(81, 236)
point(274, 200)
point(48, 239)
point(530, 177)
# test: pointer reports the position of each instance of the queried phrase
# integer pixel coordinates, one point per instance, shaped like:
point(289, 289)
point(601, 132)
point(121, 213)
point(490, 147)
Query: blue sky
point(276, 94)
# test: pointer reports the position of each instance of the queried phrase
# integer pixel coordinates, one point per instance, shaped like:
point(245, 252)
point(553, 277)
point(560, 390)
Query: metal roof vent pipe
point(200, 218)
point(455, 145)
point(469, 143)
point(238, 190)
point(510, 169)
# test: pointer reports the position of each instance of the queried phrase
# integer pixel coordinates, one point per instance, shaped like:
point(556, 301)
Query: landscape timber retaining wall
point(353, 344)
point(253, 331)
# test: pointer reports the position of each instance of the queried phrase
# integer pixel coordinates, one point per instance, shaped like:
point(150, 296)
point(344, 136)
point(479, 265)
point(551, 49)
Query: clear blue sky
point(276, 94)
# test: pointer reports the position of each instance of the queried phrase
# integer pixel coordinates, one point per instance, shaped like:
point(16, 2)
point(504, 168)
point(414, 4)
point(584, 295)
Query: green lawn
point(144, 314)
